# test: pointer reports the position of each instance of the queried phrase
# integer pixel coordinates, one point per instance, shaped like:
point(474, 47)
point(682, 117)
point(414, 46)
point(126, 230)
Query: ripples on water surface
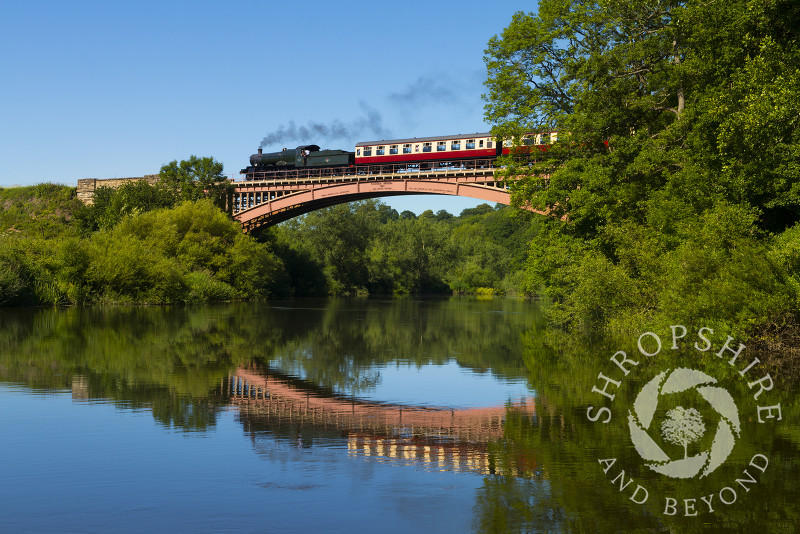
point(326, 416)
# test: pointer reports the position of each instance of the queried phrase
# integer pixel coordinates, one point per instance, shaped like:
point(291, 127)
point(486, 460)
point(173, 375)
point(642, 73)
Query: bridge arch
point(263, 209)
point(270, 198)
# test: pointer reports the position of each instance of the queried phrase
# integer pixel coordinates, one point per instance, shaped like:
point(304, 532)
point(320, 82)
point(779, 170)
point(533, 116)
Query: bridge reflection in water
point(438, 438)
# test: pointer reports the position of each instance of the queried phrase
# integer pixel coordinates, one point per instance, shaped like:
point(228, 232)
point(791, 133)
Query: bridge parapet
point(372, 172)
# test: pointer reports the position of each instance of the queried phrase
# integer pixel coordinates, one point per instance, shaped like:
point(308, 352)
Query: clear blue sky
point(116, 89)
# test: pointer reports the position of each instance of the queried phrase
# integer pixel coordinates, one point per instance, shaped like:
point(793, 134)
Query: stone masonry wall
point(87, 186)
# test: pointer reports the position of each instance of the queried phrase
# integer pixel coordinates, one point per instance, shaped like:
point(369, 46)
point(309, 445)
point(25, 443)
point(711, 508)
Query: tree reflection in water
point(540, 469)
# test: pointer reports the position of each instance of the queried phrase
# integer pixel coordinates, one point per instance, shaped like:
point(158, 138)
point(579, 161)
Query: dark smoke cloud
point(370, 124)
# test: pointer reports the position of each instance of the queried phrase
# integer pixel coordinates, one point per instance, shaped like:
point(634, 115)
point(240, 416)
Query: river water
point(397, 415)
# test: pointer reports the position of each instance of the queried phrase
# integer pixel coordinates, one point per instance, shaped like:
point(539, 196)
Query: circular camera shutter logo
point(683, 426)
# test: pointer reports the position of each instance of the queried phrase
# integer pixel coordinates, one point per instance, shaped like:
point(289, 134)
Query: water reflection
point(172, 359)
point(582, 497)
point(439, 438)
point(321, 379)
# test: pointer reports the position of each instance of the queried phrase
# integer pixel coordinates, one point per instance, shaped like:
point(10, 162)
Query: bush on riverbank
point(34, 220)
point(192, 252)
point(136, 245)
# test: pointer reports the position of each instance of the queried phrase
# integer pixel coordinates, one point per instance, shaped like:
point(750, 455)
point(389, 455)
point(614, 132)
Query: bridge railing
point(394, 170)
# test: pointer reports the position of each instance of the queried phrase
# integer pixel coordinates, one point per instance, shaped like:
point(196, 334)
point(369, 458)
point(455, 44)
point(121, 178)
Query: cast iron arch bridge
point(270, 198)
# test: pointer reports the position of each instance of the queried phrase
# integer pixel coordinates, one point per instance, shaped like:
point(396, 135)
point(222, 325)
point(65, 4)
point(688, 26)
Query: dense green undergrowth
point(192, 252)
point(141, 244)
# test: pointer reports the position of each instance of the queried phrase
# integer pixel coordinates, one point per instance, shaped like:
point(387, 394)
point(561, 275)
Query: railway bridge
point(270, 198)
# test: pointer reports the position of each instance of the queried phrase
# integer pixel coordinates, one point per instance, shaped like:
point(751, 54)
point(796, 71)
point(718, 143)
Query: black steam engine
point(302, 157)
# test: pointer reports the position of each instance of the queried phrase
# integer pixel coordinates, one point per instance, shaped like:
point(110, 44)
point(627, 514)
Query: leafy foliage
point(367, 248)
point(192, 252)
point(676, 162)
point(197, 178)
point(109, 206)
point(194, 248)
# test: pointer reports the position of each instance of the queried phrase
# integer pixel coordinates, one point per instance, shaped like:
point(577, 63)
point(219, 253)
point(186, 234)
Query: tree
point(675, 119)
point(337, 238)
point(109, 205)
point(411, 255)
point(683, 427)
point(480, 209)
point(647, 96)
point(443, 215)
point(197, 178)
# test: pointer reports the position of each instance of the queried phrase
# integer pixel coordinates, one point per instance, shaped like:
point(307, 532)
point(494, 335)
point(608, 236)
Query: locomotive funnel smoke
point(426, 90)
point(371, 123)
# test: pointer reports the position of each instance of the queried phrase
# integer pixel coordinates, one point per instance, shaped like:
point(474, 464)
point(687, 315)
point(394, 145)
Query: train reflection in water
point(433, 437)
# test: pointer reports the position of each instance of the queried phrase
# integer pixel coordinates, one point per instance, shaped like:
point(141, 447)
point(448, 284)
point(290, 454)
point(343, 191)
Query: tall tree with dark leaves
point(677, 122)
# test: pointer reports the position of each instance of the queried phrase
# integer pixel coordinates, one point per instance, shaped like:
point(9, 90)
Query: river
point(393, 415)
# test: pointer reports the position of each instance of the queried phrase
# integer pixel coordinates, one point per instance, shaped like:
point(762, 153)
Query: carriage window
point(528, 139)
point(544, 139)
point(358, 152)
point(488, 144)
point(441, 146)
point(426, 147)
point(393, 149)
point(407, 149)
point(470, 144)
point(367, 151)
point(379, 151)
point(481, 143)
point(455, 145)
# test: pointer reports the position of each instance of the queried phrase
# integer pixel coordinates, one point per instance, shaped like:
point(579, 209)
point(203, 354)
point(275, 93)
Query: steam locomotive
point(417, 150)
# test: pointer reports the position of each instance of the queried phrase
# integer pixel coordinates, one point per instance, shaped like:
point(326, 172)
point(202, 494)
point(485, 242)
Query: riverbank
point(56, 251)
point(139, 244)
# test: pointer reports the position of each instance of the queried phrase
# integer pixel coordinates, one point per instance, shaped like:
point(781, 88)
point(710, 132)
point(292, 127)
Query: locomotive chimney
point(259, 150)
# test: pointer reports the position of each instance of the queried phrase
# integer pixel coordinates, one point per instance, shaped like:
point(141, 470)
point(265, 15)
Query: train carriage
point(418, 153)
point(423, 149)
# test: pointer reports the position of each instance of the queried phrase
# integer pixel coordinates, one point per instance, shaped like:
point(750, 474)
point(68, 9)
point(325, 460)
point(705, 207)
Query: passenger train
point(414, 151)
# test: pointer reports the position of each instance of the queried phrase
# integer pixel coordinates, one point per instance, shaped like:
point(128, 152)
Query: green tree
point(697, 99)
point(192, 252)
point(675, 120)
point(337, 238)
point(197, 178)
point(411, 256)
point(480, 209)
point(443, 215)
